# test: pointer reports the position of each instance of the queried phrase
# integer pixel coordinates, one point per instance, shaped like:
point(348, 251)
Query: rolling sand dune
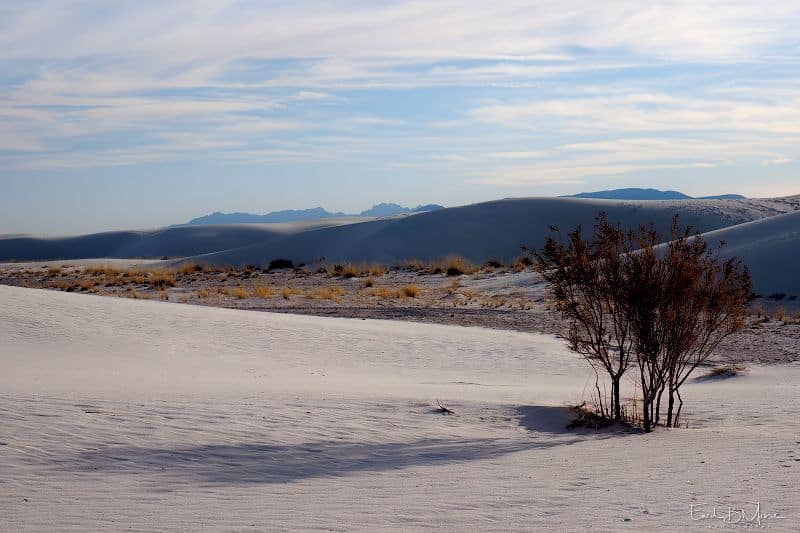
point(770, 247)
point(178, 241)
point(486, 230)
point(121, 414)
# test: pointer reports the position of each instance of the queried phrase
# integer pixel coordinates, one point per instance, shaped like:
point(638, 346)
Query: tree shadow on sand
point(247, 463)
point(244, 463)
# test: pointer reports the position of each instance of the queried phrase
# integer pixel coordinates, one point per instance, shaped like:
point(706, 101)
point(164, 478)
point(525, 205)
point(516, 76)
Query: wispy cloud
point(516, 93)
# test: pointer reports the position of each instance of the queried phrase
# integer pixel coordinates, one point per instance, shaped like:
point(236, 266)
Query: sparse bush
point(191, 268)
point(203, 293)
point(469, 294)
point(377, 270)
point(369, 282)
point(410, 291)
point(160, 279)
point(456, 266)
point(492, 264)
point(263, 291)
point(278, 264)
point(288, 292)
point(87, 284)
point(54, 271)
point(326, 293)
point(521, 263)
point(235, 292)
point(163, 294)
point(386, 293)
point(623, 298)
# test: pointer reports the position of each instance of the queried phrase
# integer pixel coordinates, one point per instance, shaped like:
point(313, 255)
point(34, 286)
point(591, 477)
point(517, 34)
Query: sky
point(138, 114)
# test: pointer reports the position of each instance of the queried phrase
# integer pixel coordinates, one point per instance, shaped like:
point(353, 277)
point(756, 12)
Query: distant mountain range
point(649, 194)
point(379, 210)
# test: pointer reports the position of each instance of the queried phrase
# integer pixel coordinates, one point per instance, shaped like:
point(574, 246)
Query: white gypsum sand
point(120, 414)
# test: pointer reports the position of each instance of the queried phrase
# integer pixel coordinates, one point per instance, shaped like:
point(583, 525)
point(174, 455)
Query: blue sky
point(139, 114)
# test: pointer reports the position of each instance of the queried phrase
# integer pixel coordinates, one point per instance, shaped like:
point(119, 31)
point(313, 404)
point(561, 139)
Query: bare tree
point(707, 302)
point(586, 280)
point(628, 297)
point(681, 302)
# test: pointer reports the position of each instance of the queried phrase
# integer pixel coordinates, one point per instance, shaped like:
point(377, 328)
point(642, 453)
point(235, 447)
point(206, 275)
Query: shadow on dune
point(546, 419)
point(264, 463)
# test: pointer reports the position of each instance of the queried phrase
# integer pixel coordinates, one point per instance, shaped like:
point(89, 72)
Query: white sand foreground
point(125, 414)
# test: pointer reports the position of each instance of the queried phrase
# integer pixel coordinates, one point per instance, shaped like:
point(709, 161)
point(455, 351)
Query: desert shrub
point(235, 292)
point(288, 292)
point(191, 268)
point(87, 284)
point(61, 285)
point(469, 294)
point(376, 269)
point(54, 271)
point(203, 293)
point(346, 270)
point(456, 266)
point(369, 282)
point(386, 293)
point(160, 279)
point(136, 295)
point(326, 293)
point(263, 291)
point(163, 294)
point(521, 263)
point(415, 265)
point(493, 263)
point(278, 264)
point(624, 298)
point(779, 314)
point(410, 291)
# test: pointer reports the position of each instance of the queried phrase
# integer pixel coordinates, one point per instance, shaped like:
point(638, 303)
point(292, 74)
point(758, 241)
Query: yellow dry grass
point(263, 291)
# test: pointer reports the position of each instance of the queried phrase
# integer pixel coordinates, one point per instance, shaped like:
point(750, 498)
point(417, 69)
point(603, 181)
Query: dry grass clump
point(106, 271)
point(61, 284)
point(369, 282)
point(136, 295)
point(53, 272)
point(521, 263)
point(288, 292)
point(191, 268)
point(494, 302)
point(350, 270)
point(88, 284)
point(779, 314)
point(385, 293)
point(456, 266)
point(235, 292)
point(263, 291)
point(410, 291)
point(161, 279)
point(204, 293)
point(452, 287)
point(326, 293)
point(469, 294)
point(451, 265)
point(163, 294)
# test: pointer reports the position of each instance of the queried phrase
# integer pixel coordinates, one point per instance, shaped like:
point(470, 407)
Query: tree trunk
point(657, 416)
point(670, 407)
point(680, 406)
point(617, 410)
